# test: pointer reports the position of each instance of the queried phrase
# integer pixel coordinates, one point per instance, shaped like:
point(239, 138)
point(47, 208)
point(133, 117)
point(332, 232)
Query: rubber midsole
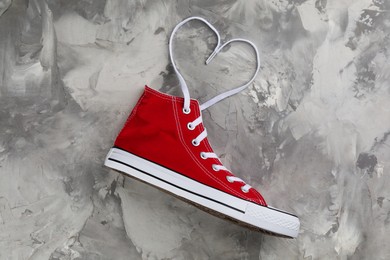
point(244, 211)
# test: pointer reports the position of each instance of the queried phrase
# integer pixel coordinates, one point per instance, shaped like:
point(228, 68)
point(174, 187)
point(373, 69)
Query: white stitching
point(135, 108)
point(163, 95)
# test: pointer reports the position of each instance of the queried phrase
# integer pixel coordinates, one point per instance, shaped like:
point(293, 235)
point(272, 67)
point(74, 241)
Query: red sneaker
point(164, 143)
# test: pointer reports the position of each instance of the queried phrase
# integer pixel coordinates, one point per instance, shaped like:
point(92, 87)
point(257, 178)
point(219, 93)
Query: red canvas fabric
point(156, 130)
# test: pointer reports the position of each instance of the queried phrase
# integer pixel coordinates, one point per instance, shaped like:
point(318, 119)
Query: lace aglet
point(211, 57)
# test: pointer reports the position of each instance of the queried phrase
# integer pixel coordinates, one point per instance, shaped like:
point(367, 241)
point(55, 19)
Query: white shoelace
point(186, 94)
point(205, 155)
point(217, 49)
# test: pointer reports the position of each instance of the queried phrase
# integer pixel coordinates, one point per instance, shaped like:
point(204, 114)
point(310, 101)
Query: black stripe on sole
point(167, 182)
point(117, 147)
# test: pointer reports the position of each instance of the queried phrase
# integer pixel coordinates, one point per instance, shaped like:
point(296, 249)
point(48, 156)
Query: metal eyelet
point(214, 167)
point(186, 110)
point(228, 179)
point(194, 142)
point(190, 126)
point(202, 155)
point(243, 190)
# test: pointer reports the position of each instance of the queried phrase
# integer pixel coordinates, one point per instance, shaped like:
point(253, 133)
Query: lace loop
point(202, 136)
point(210, 155)
point(245, 188)
point(217, 167)
point(238, 89)
point(217, 49)
point(182, 82)
point(196, 122)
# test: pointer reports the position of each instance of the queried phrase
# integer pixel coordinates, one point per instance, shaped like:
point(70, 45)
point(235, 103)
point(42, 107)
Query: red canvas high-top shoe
point(164, 143)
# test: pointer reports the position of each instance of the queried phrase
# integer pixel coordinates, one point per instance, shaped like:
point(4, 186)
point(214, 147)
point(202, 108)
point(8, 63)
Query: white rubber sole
point(265, 218)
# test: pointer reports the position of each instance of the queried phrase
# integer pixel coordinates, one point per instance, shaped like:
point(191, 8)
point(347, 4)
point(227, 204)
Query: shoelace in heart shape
point(186, 107)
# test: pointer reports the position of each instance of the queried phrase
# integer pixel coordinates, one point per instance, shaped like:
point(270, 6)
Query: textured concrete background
point(311, 133)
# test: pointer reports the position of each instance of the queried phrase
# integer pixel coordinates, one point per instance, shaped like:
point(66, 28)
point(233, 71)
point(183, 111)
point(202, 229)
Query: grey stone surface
point(4, 5)
point(311, 133)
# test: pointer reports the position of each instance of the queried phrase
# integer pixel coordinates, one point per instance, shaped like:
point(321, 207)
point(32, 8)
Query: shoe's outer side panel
point(156, 130)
